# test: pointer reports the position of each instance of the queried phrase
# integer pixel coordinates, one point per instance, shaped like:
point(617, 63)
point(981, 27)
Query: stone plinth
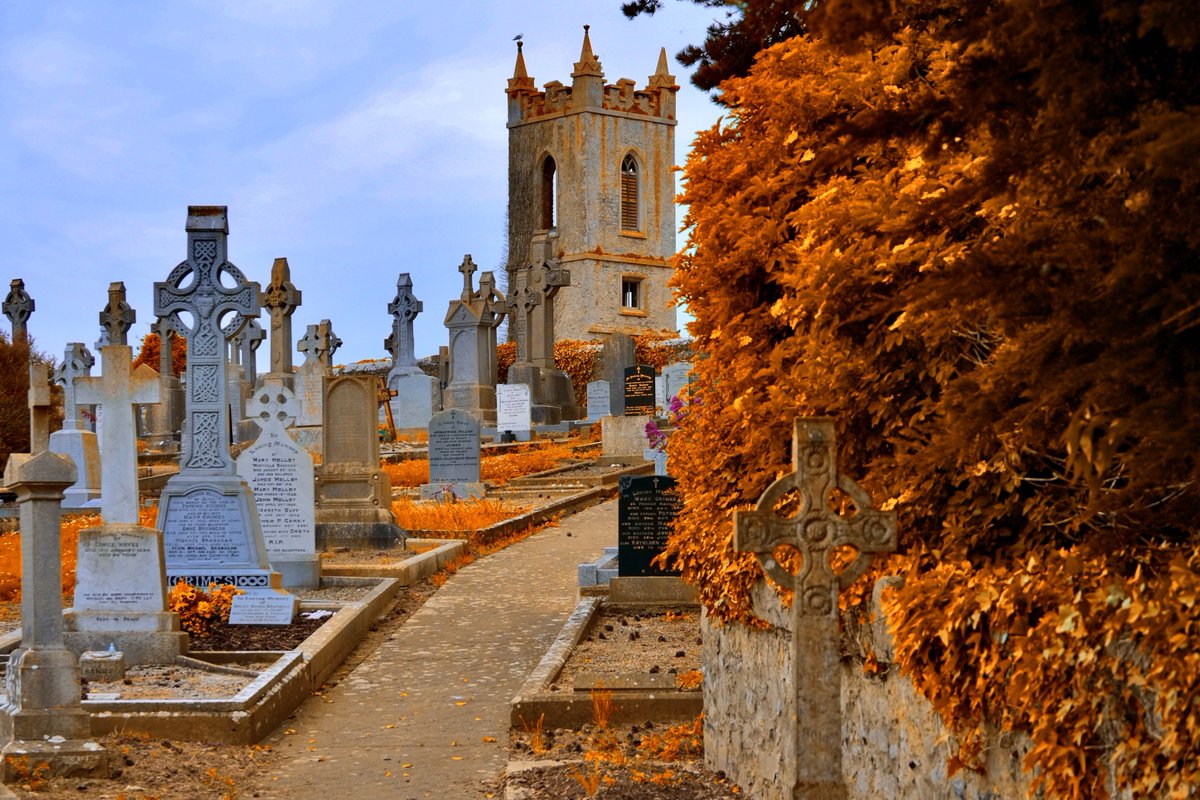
point(81, 447)
point(418, 398)
point(624, 437)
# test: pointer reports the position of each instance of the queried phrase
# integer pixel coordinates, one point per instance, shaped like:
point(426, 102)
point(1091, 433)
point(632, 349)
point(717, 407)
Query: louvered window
point(549, 193)
point(629, 194)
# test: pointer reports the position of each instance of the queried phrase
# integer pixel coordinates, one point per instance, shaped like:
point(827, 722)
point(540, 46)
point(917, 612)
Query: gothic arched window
point(549, 192)
point(629, 194)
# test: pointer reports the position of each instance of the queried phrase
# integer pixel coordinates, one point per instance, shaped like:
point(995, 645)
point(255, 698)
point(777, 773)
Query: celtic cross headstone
point(77, 363)
point(471, 320)
point(247, 343)
point(18, 305)
point(117, 317)
point(404, 308)
point(281, 299)
point(211, 530)
point(166, 418)
point(216, 312)
point(548, 279)
point(815, 530)
point(522, 299)
point(319, 343)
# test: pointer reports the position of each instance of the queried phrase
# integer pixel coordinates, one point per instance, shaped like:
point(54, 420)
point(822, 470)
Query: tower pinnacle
point(588, 64)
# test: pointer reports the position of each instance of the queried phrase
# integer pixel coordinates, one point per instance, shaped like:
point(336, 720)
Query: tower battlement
point(588, 92)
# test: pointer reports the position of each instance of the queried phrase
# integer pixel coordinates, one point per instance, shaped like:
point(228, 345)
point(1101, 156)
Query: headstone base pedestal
point(145, 637)
point(476, 399)
point(73, 758)
point(359, 534)
point(47, 686)
point(298, 572)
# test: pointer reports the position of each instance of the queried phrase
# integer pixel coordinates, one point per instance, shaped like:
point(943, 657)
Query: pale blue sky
point(358, 139)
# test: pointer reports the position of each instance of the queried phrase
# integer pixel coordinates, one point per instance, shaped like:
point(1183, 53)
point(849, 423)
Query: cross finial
point(467, 268)
point(273, 406)
point(117, 316)
point(18, 305)
point(77, 363)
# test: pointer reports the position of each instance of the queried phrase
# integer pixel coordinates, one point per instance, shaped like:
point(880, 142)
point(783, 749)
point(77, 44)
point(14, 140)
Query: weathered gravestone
point(599, 398)
point(531, 306)
point(74, 440)
point(120, 584)
point(211, 531)
point(472, 320)
point(618, 354)
point(418, 395)
point(453, 456)
point(281, 299)
point(318, 345)
point(280, 473)
point(165, 419)
point(660, 395)
point(514, 410)
point(646, 507)
point(18, 306)
point(42, 718)
point(675, 376)
point(115, 393)
point(354, 496)
point(243, 377)
point(815, 531)
point(639, 390)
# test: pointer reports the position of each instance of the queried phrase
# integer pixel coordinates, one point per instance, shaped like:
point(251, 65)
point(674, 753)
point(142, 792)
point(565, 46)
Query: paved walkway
point(426, 715)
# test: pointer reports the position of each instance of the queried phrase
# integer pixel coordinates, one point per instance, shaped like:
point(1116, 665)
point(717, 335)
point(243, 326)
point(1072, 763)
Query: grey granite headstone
point(472, 320)
point(454, 458)
point(210, 525)
point(598, 400)
point(675, 376)
point(281, 299)
point(418, 395)
point(280, 473)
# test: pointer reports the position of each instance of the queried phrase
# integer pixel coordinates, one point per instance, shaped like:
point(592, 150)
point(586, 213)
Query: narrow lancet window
point(629, 194)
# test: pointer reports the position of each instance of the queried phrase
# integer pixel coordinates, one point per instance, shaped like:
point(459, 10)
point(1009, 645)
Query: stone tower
point(591, 185)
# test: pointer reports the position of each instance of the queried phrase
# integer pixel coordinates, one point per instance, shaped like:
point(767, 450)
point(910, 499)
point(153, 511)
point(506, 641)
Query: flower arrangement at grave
point(1003, 321)
point(201, 612)
point(676, 411)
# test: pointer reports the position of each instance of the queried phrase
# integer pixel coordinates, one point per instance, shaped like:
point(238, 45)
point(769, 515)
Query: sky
point(357, 138)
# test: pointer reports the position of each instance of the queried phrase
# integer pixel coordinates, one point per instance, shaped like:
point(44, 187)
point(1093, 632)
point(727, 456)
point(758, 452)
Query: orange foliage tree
point(151, 349)
point(977, 255)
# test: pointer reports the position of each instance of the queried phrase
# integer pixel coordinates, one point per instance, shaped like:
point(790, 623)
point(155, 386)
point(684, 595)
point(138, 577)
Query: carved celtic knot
point(204, 252)
point(206, 441)
point(206, 383)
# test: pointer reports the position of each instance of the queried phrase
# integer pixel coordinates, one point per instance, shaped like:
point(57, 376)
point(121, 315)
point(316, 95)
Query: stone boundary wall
point(895, 745)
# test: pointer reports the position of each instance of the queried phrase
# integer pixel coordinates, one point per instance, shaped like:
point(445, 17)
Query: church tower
point(591, 184)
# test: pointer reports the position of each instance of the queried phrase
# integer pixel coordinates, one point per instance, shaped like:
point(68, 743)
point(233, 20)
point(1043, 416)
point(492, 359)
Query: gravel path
point(426, 714)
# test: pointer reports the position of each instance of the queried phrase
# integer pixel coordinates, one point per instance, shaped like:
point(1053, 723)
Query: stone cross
point(116, 391)
point(18, 305)
point(77, 363)
point(521, 303)
point(494, 312)
point(206, 300)
point(548, 278)
point(320, 343)
point(39, 407)
point(404, 309)
point(162, 327)
point(281, 299)
point(467, 268)
point(247, 342)
point(117, 317)
point(815, 530)
point(273, 408)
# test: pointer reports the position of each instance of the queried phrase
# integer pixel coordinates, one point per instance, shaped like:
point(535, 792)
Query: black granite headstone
point(639, 390)
point(645, 509)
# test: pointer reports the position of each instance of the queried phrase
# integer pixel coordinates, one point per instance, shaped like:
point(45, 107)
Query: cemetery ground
point(643, 760)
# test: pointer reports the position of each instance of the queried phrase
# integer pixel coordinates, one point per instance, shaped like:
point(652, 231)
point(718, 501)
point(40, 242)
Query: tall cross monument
point(815, 530)
point(211, 530)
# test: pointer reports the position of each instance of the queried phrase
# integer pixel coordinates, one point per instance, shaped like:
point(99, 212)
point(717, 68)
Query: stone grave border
point(407, 572)
point(535, 701)
point(251, 714)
